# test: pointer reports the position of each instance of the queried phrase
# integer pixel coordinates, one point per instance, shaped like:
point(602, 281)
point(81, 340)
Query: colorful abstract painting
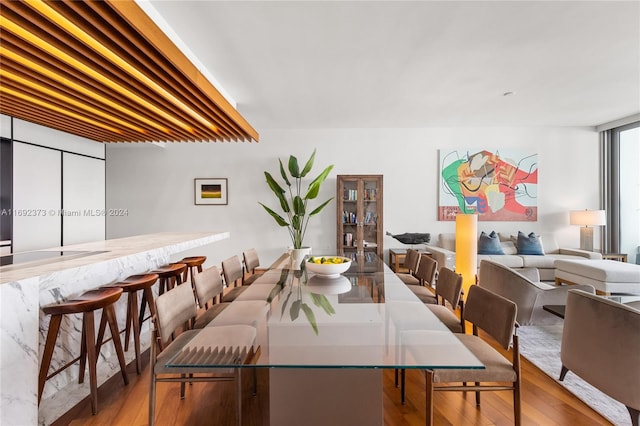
point(499, 185)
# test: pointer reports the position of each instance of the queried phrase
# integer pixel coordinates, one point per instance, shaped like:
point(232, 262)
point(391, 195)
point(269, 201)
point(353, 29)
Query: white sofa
point(444, 252)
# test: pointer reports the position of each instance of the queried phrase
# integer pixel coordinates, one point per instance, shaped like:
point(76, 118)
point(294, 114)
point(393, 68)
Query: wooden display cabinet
point(360, 224)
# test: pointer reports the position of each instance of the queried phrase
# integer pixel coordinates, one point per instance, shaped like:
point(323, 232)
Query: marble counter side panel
point(19, 352)
point(23, 325)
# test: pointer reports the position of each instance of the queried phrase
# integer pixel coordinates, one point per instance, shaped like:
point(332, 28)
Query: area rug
point(541, 346)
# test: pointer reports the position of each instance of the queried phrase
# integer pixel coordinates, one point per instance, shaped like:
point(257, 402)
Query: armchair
point(522, 288)
point(601, 344)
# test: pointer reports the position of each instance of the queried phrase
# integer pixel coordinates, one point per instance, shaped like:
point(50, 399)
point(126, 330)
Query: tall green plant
point(294, 202)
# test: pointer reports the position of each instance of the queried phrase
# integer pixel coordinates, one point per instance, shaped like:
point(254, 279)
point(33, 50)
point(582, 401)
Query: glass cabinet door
point(359, 215)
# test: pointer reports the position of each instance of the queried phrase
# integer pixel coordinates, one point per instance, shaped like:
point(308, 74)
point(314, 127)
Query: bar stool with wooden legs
point(194, 263)
point(131, 285)
point(169, 276)
point(86, 304)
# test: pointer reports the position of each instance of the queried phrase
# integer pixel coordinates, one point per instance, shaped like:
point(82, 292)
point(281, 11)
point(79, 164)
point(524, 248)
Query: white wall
point(155, 184)
point(5, 126)
point(55, 174)
point(36, 197)
point(83, 189)
point(26, 131)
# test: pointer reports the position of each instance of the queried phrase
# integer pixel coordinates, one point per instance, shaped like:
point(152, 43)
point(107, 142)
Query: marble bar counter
point(26, 287)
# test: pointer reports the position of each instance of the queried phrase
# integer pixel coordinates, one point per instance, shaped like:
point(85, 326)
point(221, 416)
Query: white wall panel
point(36, 197)
point(83, 199)
point(5, 126)
point(40, 135)
point(156, 185)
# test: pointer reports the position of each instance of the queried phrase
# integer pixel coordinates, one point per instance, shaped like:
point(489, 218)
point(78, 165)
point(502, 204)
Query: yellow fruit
point(334, 260)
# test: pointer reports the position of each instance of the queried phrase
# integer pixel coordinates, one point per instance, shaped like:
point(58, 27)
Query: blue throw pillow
point(529, 244)
point(489, 244)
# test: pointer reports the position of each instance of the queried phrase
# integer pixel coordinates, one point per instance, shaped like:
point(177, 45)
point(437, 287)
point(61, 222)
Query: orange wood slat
point(155, 63)
point(29, 112)
point(59, 89)
point(145, 88)
point(49, 104)
point(72, 77)
point(139, 20)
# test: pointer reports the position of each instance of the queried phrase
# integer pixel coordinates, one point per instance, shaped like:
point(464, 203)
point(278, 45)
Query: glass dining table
point(327, 339)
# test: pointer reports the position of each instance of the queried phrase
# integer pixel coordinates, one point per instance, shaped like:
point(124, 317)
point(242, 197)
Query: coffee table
point(557, 310)
point(632, 300)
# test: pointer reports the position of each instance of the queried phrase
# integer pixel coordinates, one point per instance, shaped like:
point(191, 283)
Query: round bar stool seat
point(131, 285)
point(85, 304)
point(170, 275)
point(193, 263)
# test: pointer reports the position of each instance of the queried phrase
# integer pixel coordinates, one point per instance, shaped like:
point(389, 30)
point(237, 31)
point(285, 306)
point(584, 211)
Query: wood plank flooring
point(544, 402)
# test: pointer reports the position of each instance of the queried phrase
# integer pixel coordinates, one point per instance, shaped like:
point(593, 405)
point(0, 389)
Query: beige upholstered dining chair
point(601, 344)
point(449, 290)
point(174, 309)
point(426, 274)
point(496, 316)
point(209, 287)
point(411, 260)
point(232, 272)
point(251, 263)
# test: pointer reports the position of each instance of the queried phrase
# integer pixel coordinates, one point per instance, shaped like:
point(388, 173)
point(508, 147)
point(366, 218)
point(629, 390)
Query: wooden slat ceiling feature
point(103, 70)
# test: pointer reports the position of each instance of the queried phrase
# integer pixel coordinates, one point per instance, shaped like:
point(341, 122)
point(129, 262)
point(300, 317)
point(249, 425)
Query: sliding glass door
point(621, 195)
point(629, 139)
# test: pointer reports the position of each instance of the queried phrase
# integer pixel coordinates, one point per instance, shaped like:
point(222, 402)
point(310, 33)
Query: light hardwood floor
point(544, 402)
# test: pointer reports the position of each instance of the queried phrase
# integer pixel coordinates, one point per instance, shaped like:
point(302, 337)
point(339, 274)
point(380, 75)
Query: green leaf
point(314, 186)
point(284, 305)
point(275, 216)
point(310, 317)
point(293, 167)
point(277, 189)
point(284, 274)
point(321, 301)
point(284, 203)
point(283, 174)
point(296, 223)
point(309, 165)
point(320, 207)
point(295, 310)
point(316, 298)
point(274, 292)
point(312, 191)
point(298, 206)
point(326, 305)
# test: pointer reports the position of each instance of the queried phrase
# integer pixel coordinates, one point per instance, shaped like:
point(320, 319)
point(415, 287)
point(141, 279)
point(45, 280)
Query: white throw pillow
point(447, 241)
point(508, 247)
point(550, 244)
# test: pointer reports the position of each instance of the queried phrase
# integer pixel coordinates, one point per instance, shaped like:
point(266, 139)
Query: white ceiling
point(337, 64)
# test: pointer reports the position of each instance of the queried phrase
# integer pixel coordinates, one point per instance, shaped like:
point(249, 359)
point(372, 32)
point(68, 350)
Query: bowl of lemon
point(328, 266)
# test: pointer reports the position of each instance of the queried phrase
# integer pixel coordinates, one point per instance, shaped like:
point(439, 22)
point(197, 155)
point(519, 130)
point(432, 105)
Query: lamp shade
point(467, 249)
point(588, 217)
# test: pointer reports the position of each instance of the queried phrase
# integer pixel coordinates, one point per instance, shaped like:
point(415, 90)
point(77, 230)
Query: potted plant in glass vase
point(294, 201)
